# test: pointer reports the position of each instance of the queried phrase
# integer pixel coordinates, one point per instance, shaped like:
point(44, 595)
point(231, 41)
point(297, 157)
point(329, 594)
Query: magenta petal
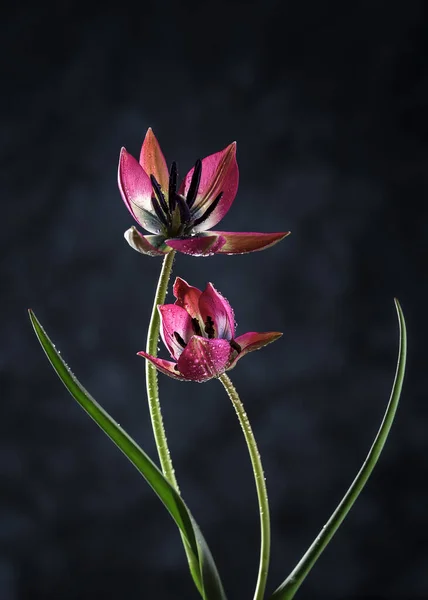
point(219, 174)
point(243, 242)
point(136, 190)
point(153, 245)
point(187, 297)
point(153, 161)
point(200, 245)
point(175, 320)
point(203, 359)
point(213, 304)
point(253, 341)
point(165, 366)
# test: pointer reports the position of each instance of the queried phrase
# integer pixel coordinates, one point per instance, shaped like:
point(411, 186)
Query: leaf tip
point(398, 307)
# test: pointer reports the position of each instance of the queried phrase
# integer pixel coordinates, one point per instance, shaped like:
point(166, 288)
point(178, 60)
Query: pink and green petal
point(219, 174)
point(153, 161)
point(164, 366)
point(243, 242)
point(213, 304)
point(200, 245)
point(153, 245)
point(203, 359)
point(187, 297)
point(136, 190)
point(251, 341)
point(175, 319)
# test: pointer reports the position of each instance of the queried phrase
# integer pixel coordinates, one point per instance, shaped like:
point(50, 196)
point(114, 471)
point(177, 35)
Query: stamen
point(209, 210)
point(235, 346)
point(194, 184)
point(172, 186)
point(209, 328)
point(196, 326)
point(159, 194)
point(184, 209)
point(159, 212)
point(180, 339)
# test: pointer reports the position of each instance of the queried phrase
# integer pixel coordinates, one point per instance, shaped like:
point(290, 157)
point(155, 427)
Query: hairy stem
point(259, 479)
point(151, 372)
point(154, 403)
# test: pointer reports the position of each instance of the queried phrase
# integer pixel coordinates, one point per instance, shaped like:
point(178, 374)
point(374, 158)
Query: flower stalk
point(151, 373)
point(260, 481)
point(154, 402)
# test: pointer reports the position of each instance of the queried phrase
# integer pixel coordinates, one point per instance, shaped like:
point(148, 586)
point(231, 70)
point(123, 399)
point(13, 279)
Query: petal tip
point(179, 281)
point(141, 243)
point(123, 154)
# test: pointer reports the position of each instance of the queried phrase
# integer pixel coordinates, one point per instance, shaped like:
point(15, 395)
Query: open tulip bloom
point(180, 217)
point(199, 333)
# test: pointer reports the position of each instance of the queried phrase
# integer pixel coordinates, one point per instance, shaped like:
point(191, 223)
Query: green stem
point(151, 372)
point(289, 587)
point(260, 486)
point(154, 403)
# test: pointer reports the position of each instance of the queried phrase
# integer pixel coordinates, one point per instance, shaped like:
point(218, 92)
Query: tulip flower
point(178, 217)
point(199, 333)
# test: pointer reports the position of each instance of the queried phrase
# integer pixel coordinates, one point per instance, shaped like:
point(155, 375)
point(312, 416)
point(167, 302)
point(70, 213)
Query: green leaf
point(207, 579)
point(289, 587)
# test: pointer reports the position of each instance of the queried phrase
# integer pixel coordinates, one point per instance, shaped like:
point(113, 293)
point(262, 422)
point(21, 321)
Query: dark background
point(328, 103)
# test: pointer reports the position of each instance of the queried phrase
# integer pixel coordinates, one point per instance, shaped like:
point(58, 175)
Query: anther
point(209, 210)
point(196, 326)
point(184, 209)
point(180, 339)
point(194, 184)
point(159, 194)
point(159, 212)
point(235, 346)
point(172, 186)
point(209, 328)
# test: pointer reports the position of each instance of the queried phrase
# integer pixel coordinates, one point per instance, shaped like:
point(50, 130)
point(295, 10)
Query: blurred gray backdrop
point(328, 104)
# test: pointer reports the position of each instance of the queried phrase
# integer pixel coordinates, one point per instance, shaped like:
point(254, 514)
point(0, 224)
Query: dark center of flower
point(209, 330)
point(178, 215)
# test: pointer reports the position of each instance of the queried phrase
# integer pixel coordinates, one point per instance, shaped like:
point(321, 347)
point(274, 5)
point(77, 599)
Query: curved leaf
point(289, 587)
point(207, 580)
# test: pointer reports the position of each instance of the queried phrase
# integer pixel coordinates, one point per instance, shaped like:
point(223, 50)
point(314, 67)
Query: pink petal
point(187, 297)
point(153, 245)
point(175, 319)
point(165, 366)
point(214, 305)
point(200, 245)
point(253, 341)
point(243, 242)
point(136, 190)
point(219, 174)
point(203, 359)
point(153, 161)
